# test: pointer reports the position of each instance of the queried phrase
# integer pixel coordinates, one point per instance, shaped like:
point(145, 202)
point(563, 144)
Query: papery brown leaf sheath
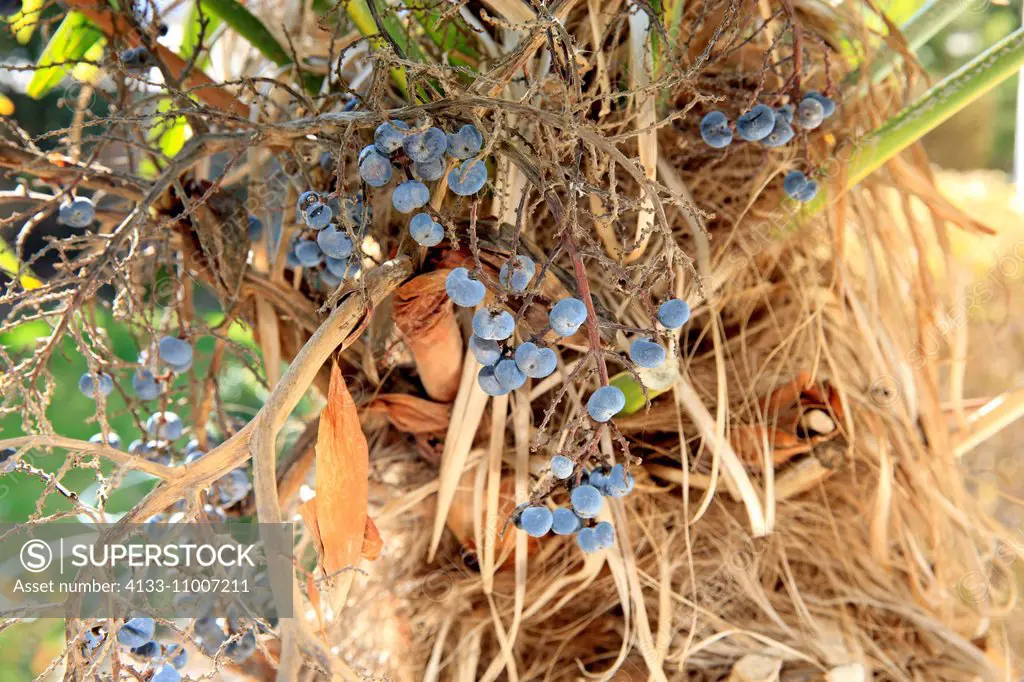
point(786, 406)
point(337, 516)
point(411, 414)
point(425, 316)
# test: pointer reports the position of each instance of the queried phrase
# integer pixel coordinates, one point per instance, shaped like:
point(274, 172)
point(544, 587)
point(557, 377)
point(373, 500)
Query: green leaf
point(249, 27)
point(955, 93)
point(931, 18)
point(10, 265)
point(24, 23)
point(170, 133)
point(630, 387)
point(360, 14)
point(448, 38)
point(69, 43)
point(193, 30)
point(89, 73)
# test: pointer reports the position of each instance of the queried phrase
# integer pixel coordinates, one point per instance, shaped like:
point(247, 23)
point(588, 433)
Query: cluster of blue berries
point(76, 212)
point(770, 127)
point(423, 153)
point(212, 636)
point(586, 498)
point(799, 187)
point(326, 247)
point(136, 634)
point(506, 368)
point(163, 427)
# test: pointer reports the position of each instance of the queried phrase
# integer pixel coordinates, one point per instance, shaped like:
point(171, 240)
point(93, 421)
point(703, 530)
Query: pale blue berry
point(489, 383)
point(113, 440)
point(517, 272)
point(535, 362)
point(318, 216)
point(673, 313)
point(756, 124)
point(308, 253)
point(425, 146)
point(605, 533)
point(785, 112)
point(586, 501)
point(486, 351)
point(828, 105)
point(180, 369)
point(467, 178)
point(191, 457)
point(564, 521)
point(136, 58)
point(429, 171)
point(409, 196)
point(334, 242)
point(342, 267)
point(147, 651)
point(138, 447)
point(174, 351)
point(93, 640)
point(780, 134)
point(88, 386)
point(620, 483)
point(177, 655)
point(810, 113)
point(374, 167)
point(536, 521)
point(136, 632)
point(242, 648)
point(232, 487)
point(794, 184)
point(389, 136)
point(494, 325)
point(207, 627)
point(166, 673)
point(165, 426)
point(799, 187)
point(145, 385)
point(425, 231)
point(305, 200)
point(588, 541)
point(599, 479)
point(78, 212)
point(646, 353)
point(328, 280)
point(605, 403)
point(714, 130)
point(464, 290)
point(508, 374)
point(810, 191)
point(561, 466)
point(567, 315)
point(466, 142)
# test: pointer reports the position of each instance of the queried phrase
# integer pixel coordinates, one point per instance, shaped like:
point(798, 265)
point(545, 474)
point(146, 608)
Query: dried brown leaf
point(425, 316)
point(411, 414)
point(337, 517)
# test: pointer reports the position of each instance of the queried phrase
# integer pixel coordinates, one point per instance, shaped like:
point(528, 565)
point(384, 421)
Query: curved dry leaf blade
point(411, 414)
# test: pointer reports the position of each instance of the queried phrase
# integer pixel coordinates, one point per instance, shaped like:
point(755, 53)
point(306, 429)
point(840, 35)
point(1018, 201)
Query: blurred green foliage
point(981, 136)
